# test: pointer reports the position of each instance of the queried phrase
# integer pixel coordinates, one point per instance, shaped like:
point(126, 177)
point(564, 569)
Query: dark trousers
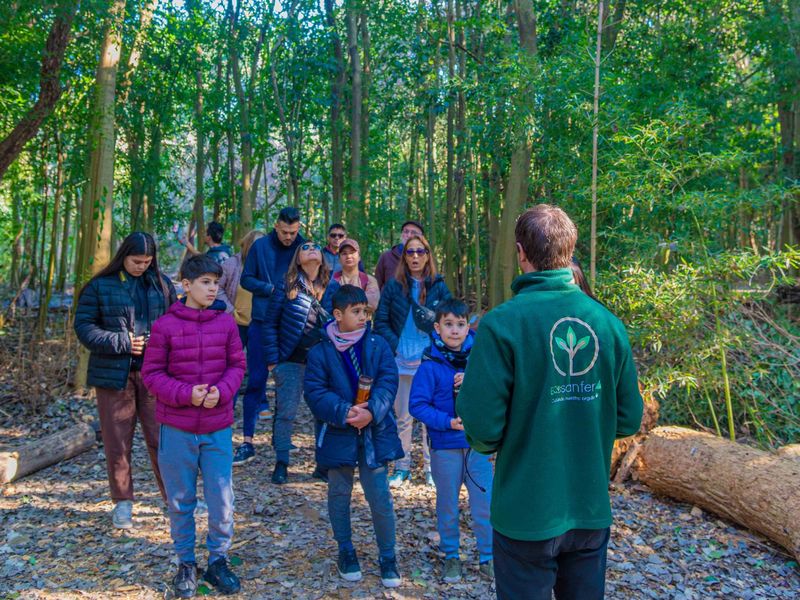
point(257, 374)
point(119, 411)
point(573, 565)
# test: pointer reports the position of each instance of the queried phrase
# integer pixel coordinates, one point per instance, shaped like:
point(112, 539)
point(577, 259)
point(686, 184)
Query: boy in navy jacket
point(350, 435)
point(453, 463)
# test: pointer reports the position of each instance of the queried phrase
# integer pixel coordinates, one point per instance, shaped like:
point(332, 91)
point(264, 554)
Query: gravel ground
point(56, 540)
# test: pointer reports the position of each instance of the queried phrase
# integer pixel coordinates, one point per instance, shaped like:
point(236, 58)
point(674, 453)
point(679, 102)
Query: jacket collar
point(541, 281)
point(180, 310)
point(276, 243)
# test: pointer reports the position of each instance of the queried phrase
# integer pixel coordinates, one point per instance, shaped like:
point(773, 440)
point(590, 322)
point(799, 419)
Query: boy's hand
point(351, 414)
point(199, 393)
point(458, 380)
point(362, 418)
point(137, 344)
point(212, 398)
point(456, 424)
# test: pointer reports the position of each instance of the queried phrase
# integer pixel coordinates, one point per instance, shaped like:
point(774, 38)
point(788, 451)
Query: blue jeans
point(452, 468)
point(181, 457)
point(376, 490)
point(288, 393)
point(573, 565)
point(257, 374)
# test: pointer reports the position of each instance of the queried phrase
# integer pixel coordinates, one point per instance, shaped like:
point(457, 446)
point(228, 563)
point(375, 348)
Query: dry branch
point(45, 452)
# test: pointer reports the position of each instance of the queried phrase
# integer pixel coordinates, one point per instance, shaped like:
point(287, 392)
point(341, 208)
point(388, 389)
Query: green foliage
point(671, 319)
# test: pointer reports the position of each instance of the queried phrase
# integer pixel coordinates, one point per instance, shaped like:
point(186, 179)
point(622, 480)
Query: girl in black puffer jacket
point(299, 308)
point(404, 319)
point(115, 311)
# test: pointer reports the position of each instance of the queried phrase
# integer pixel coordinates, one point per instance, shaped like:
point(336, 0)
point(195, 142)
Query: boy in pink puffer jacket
point(194, 365)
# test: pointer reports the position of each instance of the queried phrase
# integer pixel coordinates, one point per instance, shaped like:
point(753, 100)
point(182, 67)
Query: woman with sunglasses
point(300, 307)
point(405, 318)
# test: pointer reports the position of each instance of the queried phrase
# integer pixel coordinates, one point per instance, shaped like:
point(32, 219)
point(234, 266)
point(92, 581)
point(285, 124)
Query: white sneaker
point(122, 515)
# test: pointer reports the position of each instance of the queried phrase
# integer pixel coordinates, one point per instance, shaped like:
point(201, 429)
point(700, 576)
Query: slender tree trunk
point(63, 267)
point(516, 190)
point(98, 197)
point(430, 146)
point(595, 130)
point(411, 183)
point(366, 81)
point(51, 263)
point(450, 259)
point(50, 89)
point(335, 113)
point(200, 162)
point(462, 234)
point(17, 241)
point(153, 178)
point(355, 210)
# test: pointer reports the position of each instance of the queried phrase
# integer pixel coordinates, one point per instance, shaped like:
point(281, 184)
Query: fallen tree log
point(46, 451)
point(790, 451)
point(625, 451)
point(757, 489)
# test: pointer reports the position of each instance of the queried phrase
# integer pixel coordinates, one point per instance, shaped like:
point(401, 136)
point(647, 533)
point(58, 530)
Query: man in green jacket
point(549, 386)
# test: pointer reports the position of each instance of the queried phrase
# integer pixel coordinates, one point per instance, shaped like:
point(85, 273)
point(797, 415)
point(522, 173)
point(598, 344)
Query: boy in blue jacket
point(350, 435)
point(453, 463)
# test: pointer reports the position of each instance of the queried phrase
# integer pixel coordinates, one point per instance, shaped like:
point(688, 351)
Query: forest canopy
point(668, 130)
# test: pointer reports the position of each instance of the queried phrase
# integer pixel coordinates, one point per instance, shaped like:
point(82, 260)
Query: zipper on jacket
point(322, 434)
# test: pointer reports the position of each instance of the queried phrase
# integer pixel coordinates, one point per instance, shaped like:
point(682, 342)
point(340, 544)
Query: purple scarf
point(343, 340)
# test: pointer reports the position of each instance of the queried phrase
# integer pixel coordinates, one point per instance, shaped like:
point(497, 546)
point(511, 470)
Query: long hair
point(138, 243)
point(402, 274)
point(295, 272)
point(580, 279)
point(247, 242)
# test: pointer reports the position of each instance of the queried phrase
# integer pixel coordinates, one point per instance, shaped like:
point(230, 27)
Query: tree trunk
point(611, 24)
point(200, 162)
point(153, 177)
point(63, 267)
point(366, 80)
point(335, 114)
point(51, 263)
point(756, 489)
point(505, 262)
point(595, 130)
point(450, 259)
point(98, 197)
point(17, 241)
point(355, 209)
point(50, 89)
point(46, 451)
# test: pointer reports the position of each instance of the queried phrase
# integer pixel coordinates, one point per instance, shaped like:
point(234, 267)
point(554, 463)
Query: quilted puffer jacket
point(288, 319)
point(103, 318)
point(190, 347)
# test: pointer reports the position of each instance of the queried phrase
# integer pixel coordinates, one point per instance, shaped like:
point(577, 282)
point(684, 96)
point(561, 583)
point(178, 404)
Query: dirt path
point(57, 541)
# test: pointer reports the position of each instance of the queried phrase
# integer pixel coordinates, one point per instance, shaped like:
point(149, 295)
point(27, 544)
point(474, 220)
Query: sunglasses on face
point(336, 236)
point(310, 246)
point(417, 251)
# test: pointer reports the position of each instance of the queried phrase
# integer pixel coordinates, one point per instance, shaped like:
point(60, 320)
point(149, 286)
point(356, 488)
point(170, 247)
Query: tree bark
point(366, 81)
point(200, 160)
point(505, 262)
point(335, 113)
point(51, 263)
point(595, 131)
point(756, 489)
point(46, 451)
point(63, 267)
point(355, 208)
point(50, 89)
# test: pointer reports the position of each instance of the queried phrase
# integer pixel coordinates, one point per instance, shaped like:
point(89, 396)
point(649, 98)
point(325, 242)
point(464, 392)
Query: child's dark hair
point(580, 278)
point(452, 306)
point(199, 265)
point(348, 295)
point(215, 231)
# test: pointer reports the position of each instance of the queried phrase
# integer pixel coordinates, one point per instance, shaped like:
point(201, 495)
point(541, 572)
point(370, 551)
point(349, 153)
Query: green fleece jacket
point(549, 386)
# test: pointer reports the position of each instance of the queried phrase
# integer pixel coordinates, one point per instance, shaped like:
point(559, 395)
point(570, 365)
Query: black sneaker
point(184, 584)
point(390, 576)
point(348, 566)
point(219, 575)
point(320, 473)
point(244, 454)
point(281, 473)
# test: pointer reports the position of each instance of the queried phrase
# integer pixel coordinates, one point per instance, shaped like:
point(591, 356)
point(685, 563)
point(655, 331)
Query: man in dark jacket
point(388, 261)
point(550, 384)
point(265, 267)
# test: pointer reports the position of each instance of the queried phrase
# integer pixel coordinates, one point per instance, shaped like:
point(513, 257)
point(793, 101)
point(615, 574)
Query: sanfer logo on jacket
point(573, 346)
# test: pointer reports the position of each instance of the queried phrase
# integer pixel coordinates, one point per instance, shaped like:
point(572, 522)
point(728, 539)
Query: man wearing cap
point(388, 261)
point(350, 259)
point(336, 233)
